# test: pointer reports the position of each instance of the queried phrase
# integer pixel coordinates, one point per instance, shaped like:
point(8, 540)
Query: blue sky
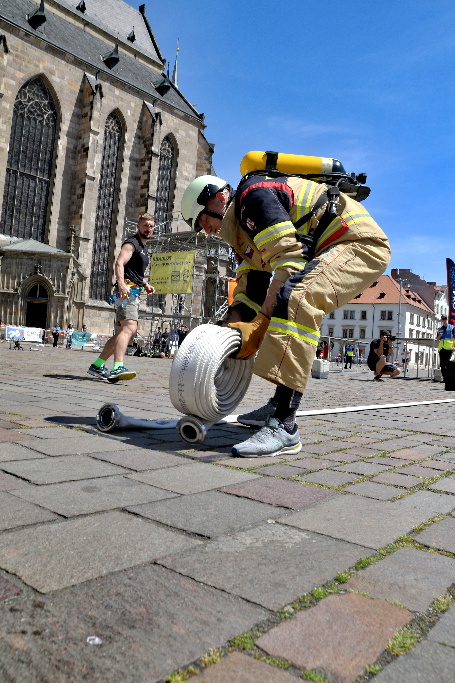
point(370, 83)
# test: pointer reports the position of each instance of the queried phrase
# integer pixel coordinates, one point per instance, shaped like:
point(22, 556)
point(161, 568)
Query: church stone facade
point(93, 132)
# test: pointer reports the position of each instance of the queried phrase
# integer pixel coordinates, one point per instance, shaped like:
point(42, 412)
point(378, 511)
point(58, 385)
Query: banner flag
point(172, 272)
point(451, 289)
point(81, 338)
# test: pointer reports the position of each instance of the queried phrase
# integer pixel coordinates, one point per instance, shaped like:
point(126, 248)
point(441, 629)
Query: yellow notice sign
point(172, 273)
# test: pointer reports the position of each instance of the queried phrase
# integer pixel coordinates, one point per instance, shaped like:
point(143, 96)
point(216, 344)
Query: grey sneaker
point(268, 441)
point(258, 417)
point(102, 372)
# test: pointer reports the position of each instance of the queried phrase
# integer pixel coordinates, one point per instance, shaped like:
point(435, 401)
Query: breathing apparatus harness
point(350, 184)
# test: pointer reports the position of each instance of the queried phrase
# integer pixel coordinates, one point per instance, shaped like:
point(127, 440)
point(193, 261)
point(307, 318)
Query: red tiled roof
point(386, 290)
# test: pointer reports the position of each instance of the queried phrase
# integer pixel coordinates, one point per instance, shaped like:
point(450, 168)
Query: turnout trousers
point(327, 282)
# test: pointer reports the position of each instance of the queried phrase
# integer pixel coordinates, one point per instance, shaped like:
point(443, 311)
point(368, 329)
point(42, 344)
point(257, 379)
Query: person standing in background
point(55, 334)
point(445, 337)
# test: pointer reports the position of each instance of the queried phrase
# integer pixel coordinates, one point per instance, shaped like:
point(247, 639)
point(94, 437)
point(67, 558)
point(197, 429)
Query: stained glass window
point(100, 277)
point(29, 166)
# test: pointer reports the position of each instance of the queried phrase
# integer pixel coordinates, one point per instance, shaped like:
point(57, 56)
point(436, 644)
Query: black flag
point(451, 290)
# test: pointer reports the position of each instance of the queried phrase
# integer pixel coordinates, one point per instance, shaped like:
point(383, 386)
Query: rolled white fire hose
point(205, 383)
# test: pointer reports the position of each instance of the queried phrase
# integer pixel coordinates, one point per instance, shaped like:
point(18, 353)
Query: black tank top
point(138, 263)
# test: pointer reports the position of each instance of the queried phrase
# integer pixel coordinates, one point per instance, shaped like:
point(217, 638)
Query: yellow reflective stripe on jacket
point(298, 263)
point(242, 298)
point(304, 201)
point(446, 344)
point(274, 231)
point(242, 267)
point(294, 330)
point(349, 219)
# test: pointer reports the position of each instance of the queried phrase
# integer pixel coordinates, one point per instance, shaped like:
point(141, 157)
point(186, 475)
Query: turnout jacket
point(259, 225)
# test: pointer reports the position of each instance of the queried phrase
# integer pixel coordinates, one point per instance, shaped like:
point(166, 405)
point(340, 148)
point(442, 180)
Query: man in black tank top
point(130, 267)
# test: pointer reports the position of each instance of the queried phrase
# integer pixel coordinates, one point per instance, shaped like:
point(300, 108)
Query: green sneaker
point(269, 441)
point(121, 373)
point(102, 372)
point(258, 417)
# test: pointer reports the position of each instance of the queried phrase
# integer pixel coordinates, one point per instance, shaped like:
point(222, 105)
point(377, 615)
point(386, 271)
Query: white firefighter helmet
point(196, 196)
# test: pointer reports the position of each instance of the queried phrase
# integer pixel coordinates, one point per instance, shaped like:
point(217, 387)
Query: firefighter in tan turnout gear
point(323, 249)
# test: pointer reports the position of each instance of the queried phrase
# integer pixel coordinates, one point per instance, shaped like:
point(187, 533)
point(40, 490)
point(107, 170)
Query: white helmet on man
point(196, 196)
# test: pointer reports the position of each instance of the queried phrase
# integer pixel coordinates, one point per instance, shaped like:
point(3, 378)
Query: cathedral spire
point(175, 78)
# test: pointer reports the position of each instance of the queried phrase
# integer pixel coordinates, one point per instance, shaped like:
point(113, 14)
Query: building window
point(330, 333)
point(362, 333)
point(411, 318)
point(165, 188)
point(30, 163)
point(386, 315)
point(363, 315)
point(411, 334)
point(105, 210)
point(332, 315)
point(389, 315)
point(348, 333)
point(418, 321)
point(348, 315)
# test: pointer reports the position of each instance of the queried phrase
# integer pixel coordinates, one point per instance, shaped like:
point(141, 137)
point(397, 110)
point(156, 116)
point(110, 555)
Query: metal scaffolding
point(214, 266)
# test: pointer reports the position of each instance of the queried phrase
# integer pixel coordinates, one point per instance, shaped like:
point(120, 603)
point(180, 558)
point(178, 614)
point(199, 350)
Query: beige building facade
point(93, 132)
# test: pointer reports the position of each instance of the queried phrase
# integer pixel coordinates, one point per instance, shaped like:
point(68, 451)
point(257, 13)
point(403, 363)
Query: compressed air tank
point(289, 163)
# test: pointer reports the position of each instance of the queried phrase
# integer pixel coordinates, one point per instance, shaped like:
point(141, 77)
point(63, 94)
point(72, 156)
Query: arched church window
point(25, 207)
point(105, 211)
point(165, 187)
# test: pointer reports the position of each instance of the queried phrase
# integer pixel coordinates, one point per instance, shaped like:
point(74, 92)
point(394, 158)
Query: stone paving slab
point(61, 554)
point(341, 456)
point(372, 490)
point(363, 452)
point(52, 432)
point(429, 502)
point(92, 495)
point(15, 451)
point(12, 435)
point(371, 523)
point(151, 621)
point(61, 468)
point(390, 462)
point(8, 482)
point(294, 563)
point(419, 471)
point(283, 471)
point(440, 535)
point(355, 631)
point(239, 667)
point(312, 463)
point(15, 512)
point(444, 631)
point(427, 663)
point(91, 444)
point(364, 468)
point(209, 513)
point(192, 478)
point(8, 589)
point(413, 578)
point(141, 459)
point(288, 494)
point(438, 465)
point(447, 484)
point(414, 453)
point(395, 479)
point(330, 478)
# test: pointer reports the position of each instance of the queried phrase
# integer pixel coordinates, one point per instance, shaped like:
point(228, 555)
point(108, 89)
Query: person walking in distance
point(380, 350)
point(130, 267)
point(446, 341)
point(348, 356)
point(305, 249)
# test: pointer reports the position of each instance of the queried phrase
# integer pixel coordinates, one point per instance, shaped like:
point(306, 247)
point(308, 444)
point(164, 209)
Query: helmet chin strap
point(213, 214)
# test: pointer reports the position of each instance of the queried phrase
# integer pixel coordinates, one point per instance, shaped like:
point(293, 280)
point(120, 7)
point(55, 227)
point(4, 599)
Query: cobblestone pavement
point(333, 564)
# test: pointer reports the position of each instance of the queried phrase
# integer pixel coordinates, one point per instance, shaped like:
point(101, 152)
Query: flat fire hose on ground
point(205, 384)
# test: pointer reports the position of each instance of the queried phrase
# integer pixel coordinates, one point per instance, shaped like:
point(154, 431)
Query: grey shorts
point(128, 312)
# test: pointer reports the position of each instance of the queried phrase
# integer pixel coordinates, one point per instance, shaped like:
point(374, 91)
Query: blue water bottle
point(119, 301)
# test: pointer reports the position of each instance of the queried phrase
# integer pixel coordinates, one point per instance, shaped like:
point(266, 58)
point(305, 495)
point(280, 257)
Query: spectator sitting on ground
point(380, 350)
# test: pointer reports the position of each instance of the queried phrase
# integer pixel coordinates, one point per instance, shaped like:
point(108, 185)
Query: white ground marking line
point(353, 409)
